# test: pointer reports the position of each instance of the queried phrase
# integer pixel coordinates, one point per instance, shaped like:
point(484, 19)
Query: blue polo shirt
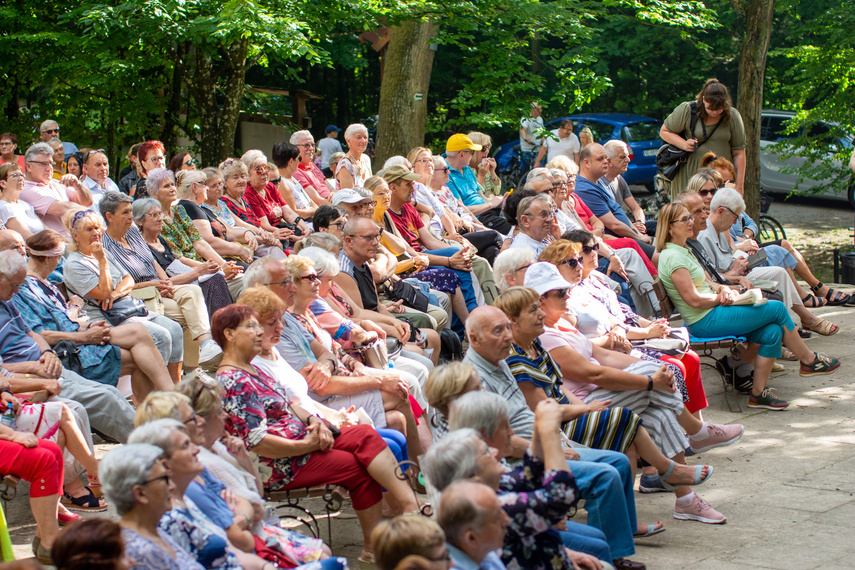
point(464, 186)
point(600, 200)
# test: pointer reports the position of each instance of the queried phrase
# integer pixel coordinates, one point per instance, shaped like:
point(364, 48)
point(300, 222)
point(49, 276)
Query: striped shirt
point(138, 260)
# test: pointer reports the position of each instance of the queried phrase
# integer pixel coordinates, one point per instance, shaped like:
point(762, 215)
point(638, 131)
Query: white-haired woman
point(355, 167)
point(228, 241)
point(136, 481)
point(182, 302)
point(180, 233)
point(93, 274)
point(273, 214)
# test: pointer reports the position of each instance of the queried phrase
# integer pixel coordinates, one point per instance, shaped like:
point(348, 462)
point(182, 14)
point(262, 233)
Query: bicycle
point(769, 229)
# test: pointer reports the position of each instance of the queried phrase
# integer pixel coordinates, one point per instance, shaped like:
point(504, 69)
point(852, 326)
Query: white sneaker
point(699, 510)
point(210, 355)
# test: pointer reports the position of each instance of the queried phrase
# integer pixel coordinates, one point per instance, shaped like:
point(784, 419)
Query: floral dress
point(197, 534)
point(255, 409)
point(535, 500)
point(147, 555)
point(180, 234)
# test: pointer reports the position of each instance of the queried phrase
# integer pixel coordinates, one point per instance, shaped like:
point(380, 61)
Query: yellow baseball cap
point(461, 142)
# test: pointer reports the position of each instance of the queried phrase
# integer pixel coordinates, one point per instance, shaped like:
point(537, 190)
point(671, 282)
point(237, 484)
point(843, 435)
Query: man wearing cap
point(463, 182)
point(354, 202)
point(328, 146)
point(408, 222)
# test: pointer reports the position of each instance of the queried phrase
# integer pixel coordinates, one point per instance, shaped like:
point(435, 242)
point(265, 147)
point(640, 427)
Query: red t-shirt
point(408, 223)
point(583, 211)
point(261, 207)
point(312, 176)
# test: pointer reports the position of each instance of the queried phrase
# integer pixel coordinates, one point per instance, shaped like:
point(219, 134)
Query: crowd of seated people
point(253, 327)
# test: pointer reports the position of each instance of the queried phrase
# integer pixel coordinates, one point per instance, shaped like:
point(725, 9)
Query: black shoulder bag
point(670, 158)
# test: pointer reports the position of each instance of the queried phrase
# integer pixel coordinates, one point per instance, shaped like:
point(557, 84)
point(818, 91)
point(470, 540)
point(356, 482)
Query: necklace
point(357, 164)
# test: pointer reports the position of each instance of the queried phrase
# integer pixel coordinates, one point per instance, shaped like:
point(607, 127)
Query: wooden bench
point(705, 347)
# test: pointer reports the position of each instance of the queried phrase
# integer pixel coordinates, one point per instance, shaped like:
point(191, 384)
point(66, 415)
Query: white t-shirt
point(530, 124)
point(328, 147)
point(291, 382)
point(23, 212)
point(569, 147)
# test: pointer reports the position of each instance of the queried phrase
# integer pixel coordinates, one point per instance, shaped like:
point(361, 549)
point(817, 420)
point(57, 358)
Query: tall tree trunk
point(233, 84)
point(758, 16)
point(404, 90)
point(172, 113)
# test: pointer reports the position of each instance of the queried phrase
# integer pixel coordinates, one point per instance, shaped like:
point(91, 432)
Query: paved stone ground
point(787, 487)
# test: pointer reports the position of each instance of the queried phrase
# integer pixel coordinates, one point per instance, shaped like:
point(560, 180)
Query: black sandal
point(834, 298)
point(86, 504)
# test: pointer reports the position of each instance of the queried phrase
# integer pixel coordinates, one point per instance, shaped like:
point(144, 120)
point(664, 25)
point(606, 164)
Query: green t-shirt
point(673, 258)
point(727, 138)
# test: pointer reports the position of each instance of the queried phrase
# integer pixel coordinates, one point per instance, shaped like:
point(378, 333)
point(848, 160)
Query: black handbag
point(669, 157)
point(412, 297)
point(69, 355)
point(123, 309)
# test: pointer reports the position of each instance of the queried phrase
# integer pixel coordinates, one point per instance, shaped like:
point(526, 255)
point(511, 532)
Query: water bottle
point(8, 419)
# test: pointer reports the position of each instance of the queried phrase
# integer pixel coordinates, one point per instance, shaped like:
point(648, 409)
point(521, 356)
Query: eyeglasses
point(523, 267)
point(156, 216)
point(310, 277)
point(708, 192)
point(560, 293)
point(191, 419)
point(261, 170)
point(306, 145)
point(685, 220)
point(15, 175)
point(44, 163)
point(572, 262)
point(7, 143)
point(544, 215)
point(282, 283)
point(372, 238)
point(443, 169)
point(155, 158)
point(424, 160)
point(590, 248)
point(164, 478)
point(51, 131)
point(556, 185)
point(339, 225)
point(731, 211)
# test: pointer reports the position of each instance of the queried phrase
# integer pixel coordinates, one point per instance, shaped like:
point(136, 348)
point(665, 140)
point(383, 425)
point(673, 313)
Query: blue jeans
point(587, 539)
point(465, 277)
point(605, 482)
point(602, 267)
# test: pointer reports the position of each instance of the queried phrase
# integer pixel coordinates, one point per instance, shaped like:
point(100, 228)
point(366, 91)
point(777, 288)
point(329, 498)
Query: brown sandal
point(823, 327)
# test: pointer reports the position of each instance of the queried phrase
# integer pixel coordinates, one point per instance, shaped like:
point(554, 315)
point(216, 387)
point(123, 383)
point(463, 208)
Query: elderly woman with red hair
point(297, 449)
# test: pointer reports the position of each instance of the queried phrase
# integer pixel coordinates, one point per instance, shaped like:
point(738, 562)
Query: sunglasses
point(310, 277)
point(52, 131)
point(444, 169)
point(708, 192)
point(560, 293)
point(590, 248)
point(191, 162)
point(572, 262)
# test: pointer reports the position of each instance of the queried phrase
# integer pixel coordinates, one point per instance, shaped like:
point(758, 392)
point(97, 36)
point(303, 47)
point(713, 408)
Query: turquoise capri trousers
point(760, 324)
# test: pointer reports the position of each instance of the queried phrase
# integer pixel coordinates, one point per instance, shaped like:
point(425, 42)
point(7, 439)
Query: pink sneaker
point(718, 435)
point(699, 510)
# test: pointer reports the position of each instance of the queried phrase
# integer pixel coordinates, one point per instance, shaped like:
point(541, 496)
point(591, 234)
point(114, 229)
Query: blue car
point(641, 133)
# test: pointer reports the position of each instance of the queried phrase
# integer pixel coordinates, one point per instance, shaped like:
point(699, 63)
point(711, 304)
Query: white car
point(772, 178)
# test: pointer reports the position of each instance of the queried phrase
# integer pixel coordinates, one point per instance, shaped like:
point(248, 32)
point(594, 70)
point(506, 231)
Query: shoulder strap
point(693, 121)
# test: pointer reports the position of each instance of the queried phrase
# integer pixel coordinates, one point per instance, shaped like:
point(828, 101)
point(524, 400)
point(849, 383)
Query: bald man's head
point(489, 333)
point(10, 239)
point(472, 518)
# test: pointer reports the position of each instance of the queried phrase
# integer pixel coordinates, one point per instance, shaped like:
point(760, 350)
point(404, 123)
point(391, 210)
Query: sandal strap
point(817, 287)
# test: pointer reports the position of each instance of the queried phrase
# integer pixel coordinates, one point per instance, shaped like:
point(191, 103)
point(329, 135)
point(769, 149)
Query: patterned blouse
point(242, 211)
point(535, 500)
point(181, 234)
point(221, 211)
point(256, 409)
point(149, 556)
point(199, 536)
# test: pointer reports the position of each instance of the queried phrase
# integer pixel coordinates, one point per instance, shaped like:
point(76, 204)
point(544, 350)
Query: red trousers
point(346, 465)
point(690, 364)
point(621, 243)
point(42, 466)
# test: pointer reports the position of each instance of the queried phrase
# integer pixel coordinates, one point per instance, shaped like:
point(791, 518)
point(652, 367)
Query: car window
point(774, 129)
point(638, 132)
point(601, 131)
